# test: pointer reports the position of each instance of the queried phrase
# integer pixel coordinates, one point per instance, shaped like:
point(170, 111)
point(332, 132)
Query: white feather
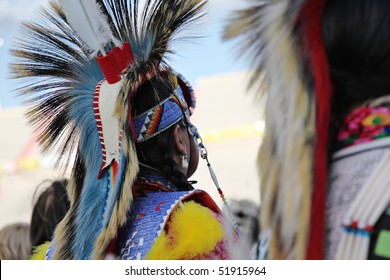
point(290, 128)
point(86, 18)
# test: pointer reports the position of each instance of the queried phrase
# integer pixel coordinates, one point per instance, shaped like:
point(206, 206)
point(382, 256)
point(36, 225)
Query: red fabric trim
point(124, 56)
point(141, 188)
point(110, 68)
point(200, 197)
point(99, 125)
point(112, 247)
point(311, 19)
point(204, 199)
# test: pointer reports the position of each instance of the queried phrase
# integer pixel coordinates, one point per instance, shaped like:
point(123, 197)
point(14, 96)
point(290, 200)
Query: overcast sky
point(208, 56)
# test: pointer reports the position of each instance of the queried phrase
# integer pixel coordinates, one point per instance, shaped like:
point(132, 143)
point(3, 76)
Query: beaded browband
point(168, 112)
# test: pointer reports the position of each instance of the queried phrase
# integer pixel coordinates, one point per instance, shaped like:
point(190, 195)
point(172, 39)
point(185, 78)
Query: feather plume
point(91, 25)
point(57, 77)
point(268, 39)
point(58, 81)
point(150, 32)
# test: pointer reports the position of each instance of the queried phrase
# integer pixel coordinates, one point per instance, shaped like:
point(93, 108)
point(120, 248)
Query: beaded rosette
point(364, 125)
point(359, 174)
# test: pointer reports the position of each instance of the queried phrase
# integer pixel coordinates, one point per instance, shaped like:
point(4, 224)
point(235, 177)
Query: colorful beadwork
point(161, 117)
point(137, 237)
point(148, 218)
point(363, 125)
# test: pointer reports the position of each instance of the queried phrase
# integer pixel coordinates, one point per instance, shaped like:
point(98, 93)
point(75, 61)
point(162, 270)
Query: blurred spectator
point(15, 242)
point(49, 209)
point(246, 213)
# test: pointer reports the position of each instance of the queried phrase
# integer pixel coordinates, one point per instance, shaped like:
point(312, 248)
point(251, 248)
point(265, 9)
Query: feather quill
point(86, 18)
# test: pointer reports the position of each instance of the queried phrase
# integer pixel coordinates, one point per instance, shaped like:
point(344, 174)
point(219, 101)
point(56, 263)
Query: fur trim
point(178, 242)
point(39, 252)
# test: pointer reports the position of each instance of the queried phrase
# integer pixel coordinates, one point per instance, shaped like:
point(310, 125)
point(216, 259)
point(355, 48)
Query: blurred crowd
point(19, 240)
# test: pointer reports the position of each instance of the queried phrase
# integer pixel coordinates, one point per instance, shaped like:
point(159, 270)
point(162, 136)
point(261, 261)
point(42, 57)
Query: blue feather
point(117, 189)
point(93, 197)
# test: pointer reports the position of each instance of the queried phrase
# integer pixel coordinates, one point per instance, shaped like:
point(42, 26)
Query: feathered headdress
point(80, 63)
point(284, 39)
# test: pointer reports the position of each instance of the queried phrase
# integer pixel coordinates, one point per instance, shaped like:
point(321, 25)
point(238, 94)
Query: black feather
point(58, 81)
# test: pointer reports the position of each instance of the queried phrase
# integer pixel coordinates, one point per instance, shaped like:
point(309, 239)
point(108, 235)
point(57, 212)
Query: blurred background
point(228, 116)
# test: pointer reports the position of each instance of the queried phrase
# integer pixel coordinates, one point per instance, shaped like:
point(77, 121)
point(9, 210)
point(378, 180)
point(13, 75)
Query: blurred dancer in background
point(325, 157)
point(247, 214)
point(15, 242)
point(49, 209)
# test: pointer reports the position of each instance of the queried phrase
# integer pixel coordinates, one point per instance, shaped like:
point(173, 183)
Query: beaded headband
point(161, 117)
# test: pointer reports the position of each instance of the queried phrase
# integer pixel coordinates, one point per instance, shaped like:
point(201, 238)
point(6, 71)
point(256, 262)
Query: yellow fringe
point(39, 252)
point(193, 232)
